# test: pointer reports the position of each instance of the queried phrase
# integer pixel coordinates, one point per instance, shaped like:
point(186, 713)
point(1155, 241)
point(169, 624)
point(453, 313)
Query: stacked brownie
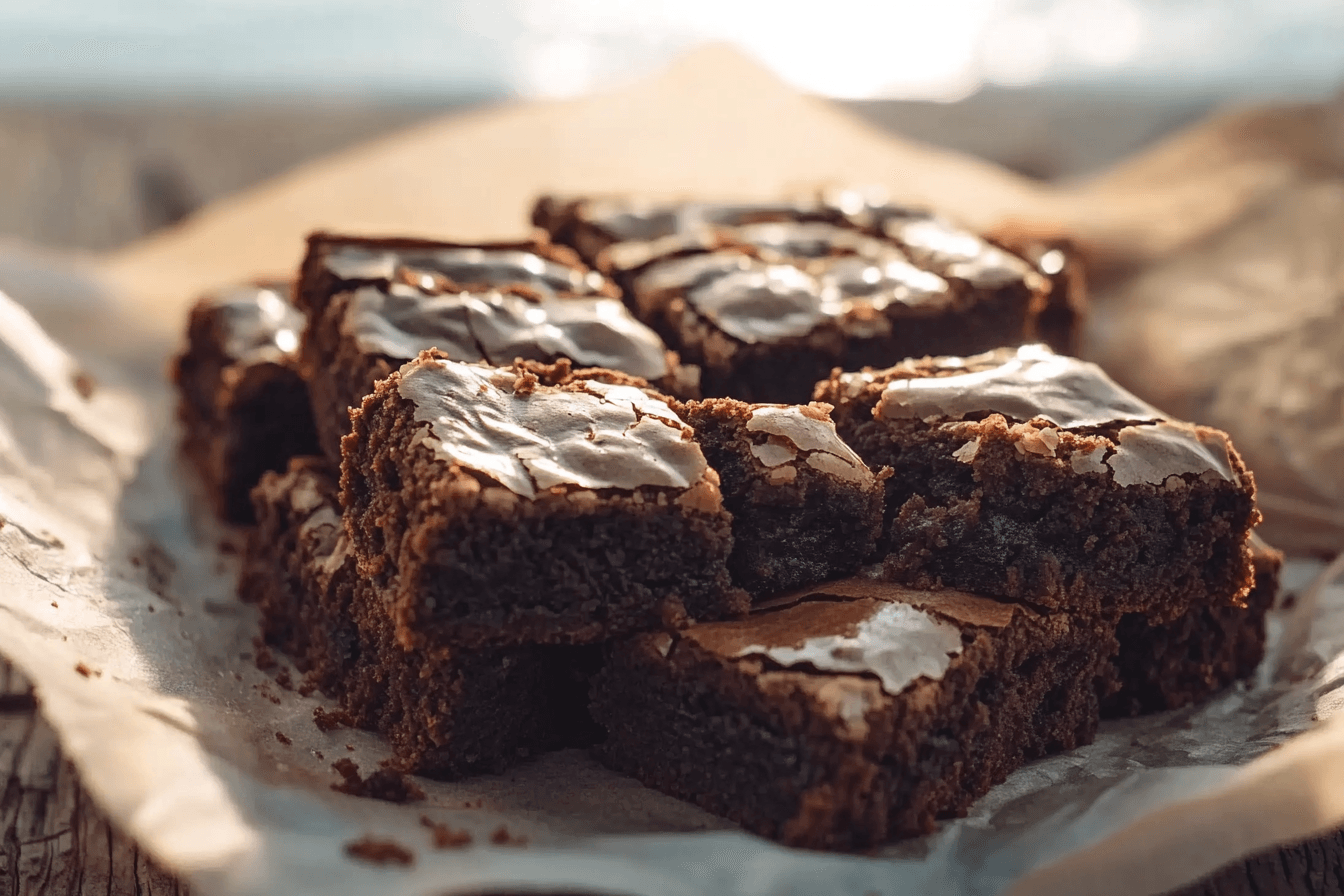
point(834, 607)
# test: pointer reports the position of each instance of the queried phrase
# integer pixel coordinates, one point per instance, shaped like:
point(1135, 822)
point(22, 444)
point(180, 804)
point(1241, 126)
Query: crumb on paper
point(283, 738)
point(385, 784)
point(502, 837)
point(56, 605)
point(378, 851)
point(265, 660)
point(446, 836)
point(285, 680)
point(330, 720)
point(84, 384)
point(88, 672)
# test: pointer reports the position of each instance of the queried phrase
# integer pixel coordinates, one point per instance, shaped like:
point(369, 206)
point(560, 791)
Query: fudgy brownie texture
point(376, 303)
point(491, 508)
point(243, 406)
point(445, 712)
point(857, 715)
point(1162, 667)
point(766, 299)
point(1031, 476)
point(805, 507)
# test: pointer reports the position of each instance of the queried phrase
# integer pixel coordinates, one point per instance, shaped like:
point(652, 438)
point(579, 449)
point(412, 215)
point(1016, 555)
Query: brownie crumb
point(384, 784)
point(379, 852)
point(280, 736)
point(264, 659)
point(285, 680)
point(502, 837)
point(307, 687)
point(88, 672)
point(350, 747)
point(446, 837)
point(84, 384)
point(56, 605)
point(318, 754)
point(330, 720)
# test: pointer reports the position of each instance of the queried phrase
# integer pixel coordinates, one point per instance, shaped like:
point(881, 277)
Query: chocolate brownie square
point(493, 508)
point(805, 507)
point(446, 713)
point(1061, 261)
point(768, 299)
point(859, 714)
point(375, 304)
point(1161, 667)
point(293, 570)
point(1031, 476)
point(243, 405)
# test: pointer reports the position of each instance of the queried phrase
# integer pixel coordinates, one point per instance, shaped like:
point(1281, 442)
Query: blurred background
point(117, 118)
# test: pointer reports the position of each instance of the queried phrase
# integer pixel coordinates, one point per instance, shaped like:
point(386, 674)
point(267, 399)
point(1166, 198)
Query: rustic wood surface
point(55, 842)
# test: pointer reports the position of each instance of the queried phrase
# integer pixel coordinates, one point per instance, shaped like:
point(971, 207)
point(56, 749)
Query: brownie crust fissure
point(243, 405)
point(492, 508)
point(766, 299)
point(1031, 476)
point(445, 713)
point(858, 715)
point(805, 507)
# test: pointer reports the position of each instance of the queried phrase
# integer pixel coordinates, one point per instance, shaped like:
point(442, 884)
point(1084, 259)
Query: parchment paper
point(117, 599)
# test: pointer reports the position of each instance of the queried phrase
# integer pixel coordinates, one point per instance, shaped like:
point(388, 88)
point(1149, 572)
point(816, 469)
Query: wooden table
point(55, 842)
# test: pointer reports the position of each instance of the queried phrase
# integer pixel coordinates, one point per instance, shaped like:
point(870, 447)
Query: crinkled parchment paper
point(118, 603)
point(117, 597)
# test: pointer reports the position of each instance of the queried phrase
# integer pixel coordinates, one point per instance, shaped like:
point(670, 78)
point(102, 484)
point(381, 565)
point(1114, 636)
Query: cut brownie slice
point(243, 406)
point(1060, 323)
point(1032, 476)
point(446, 713)
point(860, 714)
point(805, 507)
point(767, 299)
point(376, 303)
point(294, 571)
point(493, 508)
point(1162, 667)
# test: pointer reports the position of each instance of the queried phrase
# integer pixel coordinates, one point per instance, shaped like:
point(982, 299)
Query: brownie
point(446, 713)
point(805, 507)
point(859, 714)
point(375, 304)
point(492, 508)
point(1060, 260)
point(1032, 476)
point(243, 405)
point(1161, 667)
point(766, 299)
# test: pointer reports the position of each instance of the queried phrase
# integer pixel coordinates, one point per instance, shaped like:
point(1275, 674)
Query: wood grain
point(53, 840)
